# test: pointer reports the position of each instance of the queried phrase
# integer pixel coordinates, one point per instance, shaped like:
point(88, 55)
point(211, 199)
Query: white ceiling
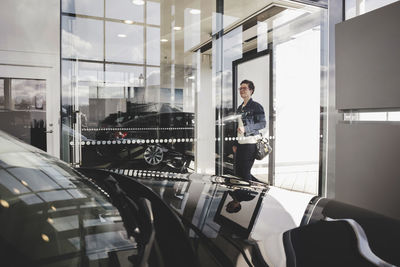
point(197, 29)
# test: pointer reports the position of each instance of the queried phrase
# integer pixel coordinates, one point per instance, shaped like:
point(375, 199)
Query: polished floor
point(294, 177)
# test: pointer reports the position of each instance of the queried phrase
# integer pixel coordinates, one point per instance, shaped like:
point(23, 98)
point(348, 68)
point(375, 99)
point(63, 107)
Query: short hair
point(250, 84)
point(233, 206)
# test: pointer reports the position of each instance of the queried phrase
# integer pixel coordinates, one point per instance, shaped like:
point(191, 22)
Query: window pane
point(124, 10)
point(153, 46)
point(373, 116)
point(123, 75)
point(179, 98)
point(153, 77)
point(165, 95)
point(153, 13)
point(82, 38)
point(28, 94)
point(24, 113)
point(124, 43)
point(84, 7)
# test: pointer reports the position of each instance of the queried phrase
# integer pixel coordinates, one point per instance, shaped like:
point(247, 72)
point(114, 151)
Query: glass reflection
point(153, 12)
point(82, 38)
point(83, 7)
point(124, 43)
point(178, 60)
point(120, 118)
point(65, 223)
point(153, 46)
point(243, 48)
point(24, 110)
point(43, 222)
point(8, 181)
point(34, 179)
point(124, 10)
point(238, 210)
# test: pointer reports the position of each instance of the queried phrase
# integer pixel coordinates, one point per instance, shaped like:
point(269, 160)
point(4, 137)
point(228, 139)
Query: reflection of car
point(158, 135)
point(152, 136)
point(52, 215)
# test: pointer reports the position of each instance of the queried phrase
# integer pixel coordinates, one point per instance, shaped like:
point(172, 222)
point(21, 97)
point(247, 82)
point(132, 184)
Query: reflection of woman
point(237, 196)
point(252, 120)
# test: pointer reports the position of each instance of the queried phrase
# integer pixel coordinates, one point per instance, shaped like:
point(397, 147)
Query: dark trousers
point(245, 156)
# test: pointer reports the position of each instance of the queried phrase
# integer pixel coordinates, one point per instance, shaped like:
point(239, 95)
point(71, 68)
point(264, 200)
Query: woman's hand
point(234, 148)
point(240, 130)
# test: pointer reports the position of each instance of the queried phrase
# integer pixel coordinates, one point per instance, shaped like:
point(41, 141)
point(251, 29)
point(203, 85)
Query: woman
point(252, 120)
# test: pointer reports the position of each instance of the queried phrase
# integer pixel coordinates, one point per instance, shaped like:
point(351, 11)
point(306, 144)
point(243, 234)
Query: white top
point(251, 139)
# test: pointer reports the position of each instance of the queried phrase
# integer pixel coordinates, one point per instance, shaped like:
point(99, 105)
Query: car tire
point(153, 155)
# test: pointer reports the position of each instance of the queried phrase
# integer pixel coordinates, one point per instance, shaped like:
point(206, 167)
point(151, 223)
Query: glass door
point(23, 110)
point(255, 68)
point(280, 47)
point(299, 102)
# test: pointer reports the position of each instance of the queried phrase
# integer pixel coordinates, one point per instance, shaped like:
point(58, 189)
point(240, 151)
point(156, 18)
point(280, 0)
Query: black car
point(151, 136)
point(54, 215)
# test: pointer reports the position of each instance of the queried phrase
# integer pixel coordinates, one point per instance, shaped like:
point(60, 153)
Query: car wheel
point(153, 155)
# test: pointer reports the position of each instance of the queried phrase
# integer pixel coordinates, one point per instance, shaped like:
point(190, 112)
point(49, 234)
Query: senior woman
point(251, 121)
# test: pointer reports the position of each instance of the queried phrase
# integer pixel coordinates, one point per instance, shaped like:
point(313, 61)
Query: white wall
point(30, 48)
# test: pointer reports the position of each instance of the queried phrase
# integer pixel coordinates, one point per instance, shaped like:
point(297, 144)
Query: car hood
point(252, 234)
point(50, 214)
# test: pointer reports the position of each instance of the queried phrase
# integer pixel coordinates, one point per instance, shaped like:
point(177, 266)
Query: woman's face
point(245, 92)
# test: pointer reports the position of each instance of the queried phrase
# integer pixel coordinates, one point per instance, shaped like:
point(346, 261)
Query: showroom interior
point(152, 86)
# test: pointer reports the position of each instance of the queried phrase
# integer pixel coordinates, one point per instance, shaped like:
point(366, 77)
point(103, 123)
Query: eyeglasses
point(243, 88)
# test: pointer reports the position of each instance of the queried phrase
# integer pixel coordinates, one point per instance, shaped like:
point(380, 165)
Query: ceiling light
point(138, 2)
point(177, 28)
point(164, 40)
point(127, 21)
point(45, 238)
point(121, 35)
point(195, 11)
point(4, 203)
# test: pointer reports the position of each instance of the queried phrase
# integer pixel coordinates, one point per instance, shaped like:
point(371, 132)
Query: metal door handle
point(51, 131)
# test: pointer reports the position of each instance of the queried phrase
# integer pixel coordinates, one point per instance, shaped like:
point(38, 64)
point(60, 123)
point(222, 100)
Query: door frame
point(250, 55)
point(52, 98)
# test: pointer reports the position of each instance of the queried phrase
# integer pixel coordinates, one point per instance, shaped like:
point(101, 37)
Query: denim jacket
point(253, 117)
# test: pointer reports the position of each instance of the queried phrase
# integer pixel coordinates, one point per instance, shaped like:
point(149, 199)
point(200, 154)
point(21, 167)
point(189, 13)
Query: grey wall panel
point(368, 166)
point(368, 60)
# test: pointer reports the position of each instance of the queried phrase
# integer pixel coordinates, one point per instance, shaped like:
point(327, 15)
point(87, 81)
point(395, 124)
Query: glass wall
point(129, 81)
point(153, 85)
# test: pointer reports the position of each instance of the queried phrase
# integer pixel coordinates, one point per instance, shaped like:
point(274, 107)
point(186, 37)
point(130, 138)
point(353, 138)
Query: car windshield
point(50, 215)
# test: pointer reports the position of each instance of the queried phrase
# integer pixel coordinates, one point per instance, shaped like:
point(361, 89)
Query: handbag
point(263, 148)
